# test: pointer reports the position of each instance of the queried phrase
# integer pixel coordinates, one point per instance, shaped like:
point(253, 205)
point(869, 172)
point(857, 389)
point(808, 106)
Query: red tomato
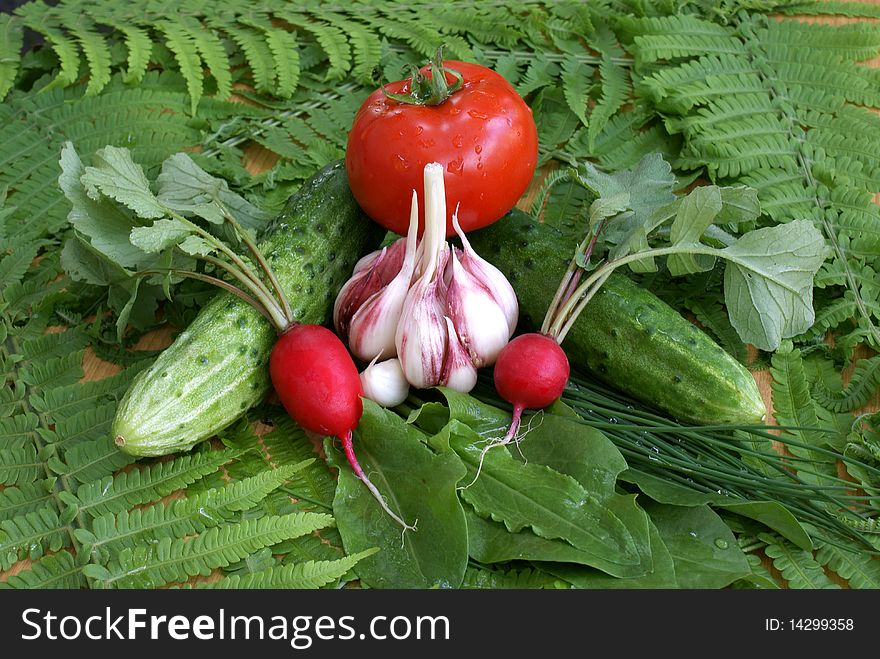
point(483, 135)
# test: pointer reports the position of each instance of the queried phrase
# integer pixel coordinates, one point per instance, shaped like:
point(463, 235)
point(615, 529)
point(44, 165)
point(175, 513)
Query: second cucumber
point(626, 335)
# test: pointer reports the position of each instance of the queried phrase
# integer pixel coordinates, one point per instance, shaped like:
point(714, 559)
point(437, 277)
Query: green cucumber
point(216, 368)
point(626, 335)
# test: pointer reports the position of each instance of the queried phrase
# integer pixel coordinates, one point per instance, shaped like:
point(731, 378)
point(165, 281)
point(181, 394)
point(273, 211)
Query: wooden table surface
point(258, 159)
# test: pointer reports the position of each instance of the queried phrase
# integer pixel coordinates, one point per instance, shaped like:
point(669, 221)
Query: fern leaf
point(177, 560)
point(16, 501)
point(330, 38)
point(29, 535)
point(214, 56)
point(19, 465)
point(541, 72)
point(853, 42)
point(97, 52)
point(365, 46)
point(257, 53)
point(864, 382)
point(53, 372)
point(794, 407)
point(673, 37)
point(797, 566)
point(66, 50)
point(186, 516)
point(90, 460)
point(285, 51)
point(89, 425)
point(139, 47)
point(11, 40)
point(181, 43)
point(311, 574)
point(54, 571)
point(18, 431)
point(577, 82)
point(113, 494)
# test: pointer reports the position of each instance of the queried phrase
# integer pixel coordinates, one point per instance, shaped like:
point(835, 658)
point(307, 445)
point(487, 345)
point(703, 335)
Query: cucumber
point(626, 335)
point(216, 368)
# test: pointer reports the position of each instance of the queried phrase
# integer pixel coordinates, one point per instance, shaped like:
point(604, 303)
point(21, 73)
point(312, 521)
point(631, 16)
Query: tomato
point(483, 134)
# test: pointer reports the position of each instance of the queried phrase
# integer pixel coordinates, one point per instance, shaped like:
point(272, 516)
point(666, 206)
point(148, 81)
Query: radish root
point(348, 448)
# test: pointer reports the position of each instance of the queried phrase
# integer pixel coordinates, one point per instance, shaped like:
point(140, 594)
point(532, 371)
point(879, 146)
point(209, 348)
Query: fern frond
point(673, 37)
point(66, 50)
point(97, 53)
point(178, 560)
point(181, 43)
point(854, 41)
point(797, 566)
point(541, 72)
point(91, 424)
point(88, 461)
point(615, 90)
point(11, 41)
point(793, 406)
point(285, 51)
point(864, 382)
point(55, 571)
point(213, 54)
point(113, 494)
point(19, 465)
point(17, 501)
point(365, 46)
point(18, 431)
point(53, 373)
point(311, 574)
point(577, 82)
point(259, 56)
point(140, 47)
point(186, 516)
point(29, 535)
point(860, 569)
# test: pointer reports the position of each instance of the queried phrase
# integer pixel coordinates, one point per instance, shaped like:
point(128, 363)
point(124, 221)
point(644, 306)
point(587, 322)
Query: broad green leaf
point(106, 225)
point(739, 205)
point(196, 246)
point(117, 176)
point(662, 574)
point(551, 504)
point(702, 546)
point(419, 486)
point(160, 235)
point(188, 189)
point(695, 213)
point(768, 282)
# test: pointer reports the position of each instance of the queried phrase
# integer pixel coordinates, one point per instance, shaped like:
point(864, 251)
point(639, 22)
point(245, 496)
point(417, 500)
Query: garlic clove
point(479, 320)
point(368, 307)
point(421, 335)
point(459, 372)
point(385, 383)
point(490, 276)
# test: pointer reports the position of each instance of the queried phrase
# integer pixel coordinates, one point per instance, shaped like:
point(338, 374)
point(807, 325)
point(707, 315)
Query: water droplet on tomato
point(454, 110)
point(478, 115)
point(401, 164)
point(457, 141)
point(455, 166)
point(478, 149)
point(419, 130)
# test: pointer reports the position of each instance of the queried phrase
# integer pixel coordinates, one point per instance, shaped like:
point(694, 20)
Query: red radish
point(531, 372)
point(320, 388)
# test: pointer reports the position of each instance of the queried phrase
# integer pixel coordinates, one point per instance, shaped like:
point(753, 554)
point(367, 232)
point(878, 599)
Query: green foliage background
point(722, 89)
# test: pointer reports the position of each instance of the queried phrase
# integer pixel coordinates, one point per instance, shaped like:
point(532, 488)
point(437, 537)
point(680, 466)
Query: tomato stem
point(433, 91)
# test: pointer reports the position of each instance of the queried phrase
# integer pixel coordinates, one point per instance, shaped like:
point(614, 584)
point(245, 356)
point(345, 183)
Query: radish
point(320, 387)
point(530, 373)
point(310, 368)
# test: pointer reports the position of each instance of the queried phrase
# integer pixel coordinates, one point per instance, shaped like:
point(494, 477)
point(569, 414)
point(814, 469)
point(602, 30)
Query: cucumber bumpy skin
point(216, 369)
point(626, 335)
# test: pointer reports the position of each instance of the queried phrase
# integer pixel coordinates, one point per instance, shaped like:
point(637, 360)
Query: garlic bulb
point(442, 311)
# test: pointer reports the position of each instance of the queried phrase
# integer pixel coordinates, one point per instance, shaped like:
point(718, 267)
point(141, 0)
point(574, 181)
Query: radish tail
point(509, 437)
point(348, 447)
